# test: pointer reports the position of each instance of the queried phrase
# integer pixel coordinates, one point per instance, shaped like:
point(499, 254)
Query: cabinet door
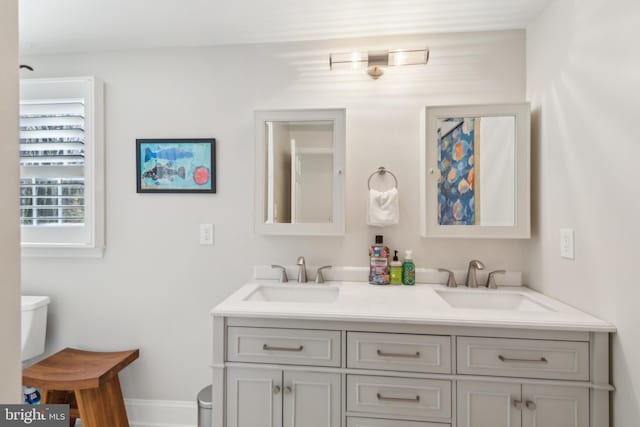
point(486, 404)
point(546, 406)
point(311, 399)
point(380, 422)
point(254, 397)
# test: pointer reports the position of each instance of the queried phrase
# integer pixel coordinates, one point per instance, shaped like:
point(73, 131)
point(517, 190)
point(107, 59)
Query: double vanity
point(349, 354)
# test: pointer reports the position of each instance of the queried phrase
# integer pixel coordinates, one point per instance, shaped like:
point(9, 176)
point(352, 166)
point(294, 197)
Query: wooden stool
point(87, 381)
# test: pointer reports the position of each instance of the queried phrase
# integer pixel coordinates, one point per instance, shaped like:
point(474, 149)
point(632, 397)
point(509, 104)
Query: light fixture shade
point(375, 61)
point(408, 57)
point(348, 61)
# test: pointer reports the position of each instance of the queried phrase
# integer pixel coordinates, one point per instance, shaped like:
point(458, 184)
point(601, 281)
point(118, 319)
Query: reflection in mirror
point(476, 170)
point(299, 172)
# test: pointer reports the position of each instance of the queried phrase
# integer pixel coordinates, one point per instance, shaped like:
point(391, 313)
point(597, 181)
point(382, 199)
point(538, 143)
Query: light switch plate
point(206, 234)
point(567, 243)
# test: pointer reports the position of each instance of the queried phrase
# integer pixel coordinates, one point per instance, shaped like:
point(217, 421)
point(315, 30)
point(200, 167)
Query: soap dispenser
point(408, 269)
point(396, 270)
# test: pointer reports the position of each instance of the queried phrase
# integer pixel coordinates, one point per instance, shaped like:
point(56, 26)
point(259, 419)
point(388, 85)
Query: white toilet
point(34, 326)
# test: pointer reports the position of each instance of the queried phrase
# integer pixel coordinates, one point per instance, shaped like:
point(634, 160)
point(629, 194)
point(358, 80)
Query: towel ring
point(381, 171)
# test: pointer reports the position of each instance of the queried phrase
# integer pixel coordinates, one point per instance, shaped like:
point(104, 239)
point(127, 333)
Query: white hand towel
point(384, 208)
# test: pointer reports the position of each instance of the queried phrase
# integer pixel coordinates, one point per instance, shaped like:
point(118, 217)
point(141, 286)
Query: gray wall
point(9, 229)
point(155, 285)
point(583, 81)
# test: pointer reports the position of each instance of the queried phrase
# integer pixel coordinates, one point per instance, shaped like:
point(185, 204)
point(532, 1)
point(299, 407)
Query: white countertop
point(419, 304)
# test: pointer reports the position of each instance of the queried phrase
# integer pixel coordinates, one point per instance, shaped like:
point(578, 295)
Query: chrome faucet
point(491, 280)
point(472, 280)
point(302, 272)
point(319, 275)
point(283, 272)
point(451, 279)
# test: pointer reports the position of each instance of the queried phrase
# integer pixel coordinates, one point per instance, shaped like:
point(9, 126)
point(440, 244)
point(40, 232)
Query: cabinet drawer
point(399, 352)
point(378, 422)
point(399, 396)
point(283, 346)
point(567, 360)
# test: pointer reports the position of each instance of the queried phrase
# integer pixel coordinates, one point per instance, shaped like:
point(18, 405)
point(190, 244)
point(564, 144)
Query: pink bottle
point(379, 263)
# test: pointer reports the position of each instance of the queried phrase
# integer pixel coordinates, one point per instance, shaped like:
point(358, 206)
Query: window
point(61, 166)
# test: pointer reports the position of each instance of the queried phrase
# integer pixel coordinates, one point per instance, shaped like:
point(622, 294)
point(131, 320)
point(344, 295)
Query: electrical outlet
point(567, 243)
point(206, 234)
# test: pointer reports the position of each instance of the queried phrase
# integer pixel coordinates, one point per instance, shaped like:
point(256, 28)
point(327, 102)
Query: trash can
point(205, 418)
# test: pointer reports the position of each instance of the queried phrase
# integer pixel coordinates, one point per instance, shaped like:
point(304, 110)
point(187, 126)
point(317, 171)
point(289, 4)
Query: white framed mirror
point(300, 158)
point(475, 172)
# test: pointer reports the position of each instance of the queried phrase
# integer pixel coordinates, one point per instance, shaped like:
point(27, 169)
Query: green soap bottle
point(408, 269)
point(395, 270)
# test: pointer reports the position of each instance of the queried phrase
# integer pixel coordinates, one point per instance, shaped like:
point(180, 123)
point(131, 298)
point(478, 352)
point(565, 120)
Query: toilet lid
point(33, 302)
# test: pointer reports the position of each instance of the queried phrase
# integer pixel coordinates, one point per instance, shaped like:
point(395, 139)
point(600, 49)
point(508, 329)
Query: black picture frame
point(176, 165)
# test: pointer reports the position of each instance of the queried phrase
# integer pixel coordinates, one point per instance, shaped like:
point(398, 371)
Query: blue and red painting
point(175, 165)
point(456, 198)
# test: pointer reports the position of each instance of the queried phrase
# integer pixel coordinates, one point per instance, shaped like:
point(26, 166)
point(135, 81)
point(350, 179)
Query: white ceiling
point(55, 26)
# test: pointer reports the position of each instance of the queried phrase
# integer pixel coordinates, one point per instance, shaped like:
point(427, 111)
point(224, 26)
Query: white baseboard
point(161, 413)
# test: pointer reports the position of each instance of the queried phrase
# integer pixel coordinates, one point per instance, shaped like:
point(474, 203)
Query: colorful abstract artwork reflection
point(457, 142)
point(175, 165)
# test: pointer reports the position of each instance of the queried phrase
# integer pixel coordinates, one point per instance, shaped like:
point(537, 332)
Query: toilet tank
point(34, 325)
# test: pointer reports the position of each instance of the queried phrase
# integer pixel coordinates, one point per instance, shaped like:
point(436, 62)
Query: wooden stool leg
point(60, 397)
point(74, 413)
point(103, 406)
point(115, 403)
point(92, 409)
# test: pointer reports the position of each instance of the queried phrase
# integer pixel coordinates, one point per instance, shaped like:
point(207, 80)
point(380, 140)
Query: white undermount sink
point(490, 300)
point(294, 293)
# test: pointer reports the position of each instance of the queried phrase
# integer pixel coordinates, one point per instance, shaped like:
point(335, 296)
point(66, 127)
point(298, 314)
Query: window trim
point(94, 178)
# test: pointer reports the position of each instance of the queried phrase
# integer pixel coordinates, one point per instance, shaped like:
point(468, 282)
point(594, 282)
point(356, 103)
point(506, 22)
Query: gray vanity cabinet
point(518, 403)
point(556, 406)
point(276, 398)
point(313, 373)
point(311, 399)
point(492, 404)
point(489, 404)
point(254, 397)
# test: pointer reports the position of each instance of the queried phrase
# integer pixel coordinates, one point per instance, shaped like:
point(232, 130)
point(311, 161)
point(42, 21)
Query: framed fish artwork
point(176, 165)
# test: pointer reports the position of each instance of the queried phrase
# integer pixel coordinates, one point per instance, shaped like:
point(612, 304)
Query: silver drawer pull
point(531, 405)
point(508, 359)
point(517, 404)
point(408, 355)
point(268, 347)
point(398, 399)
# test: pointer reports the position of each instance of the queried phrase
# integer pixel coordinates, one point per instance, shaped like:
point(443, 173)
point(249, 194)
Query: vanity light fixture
point(375, 61)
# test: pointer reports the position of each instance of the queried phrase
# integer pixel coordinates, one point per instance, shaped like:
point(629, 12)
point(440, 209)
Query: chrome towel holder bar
point(381, 171)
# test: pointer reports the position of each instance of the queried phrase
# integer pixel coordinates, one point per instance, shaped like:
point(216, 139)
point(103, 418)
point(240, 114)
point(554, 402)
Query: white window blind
point(61, 158)
point(52, 162)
